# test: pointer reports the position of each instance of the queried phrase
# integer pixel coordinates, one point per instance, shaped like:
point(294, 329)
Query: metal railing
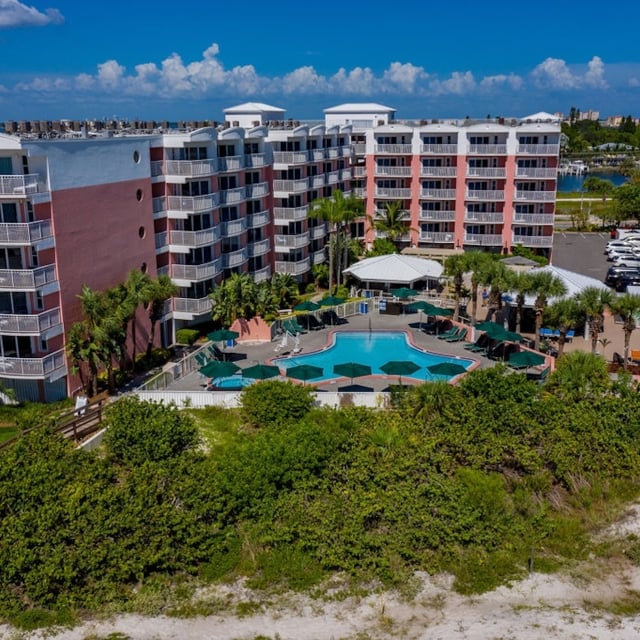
point(27, 279)
point(30, 324)
point(25, 233)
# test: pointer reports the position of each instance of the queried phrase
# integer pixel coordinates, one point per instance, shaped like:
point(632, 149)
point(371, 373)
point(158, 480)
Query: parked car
point(620, 252)
point(614, 273)
point(628, 261)
point(627, 280)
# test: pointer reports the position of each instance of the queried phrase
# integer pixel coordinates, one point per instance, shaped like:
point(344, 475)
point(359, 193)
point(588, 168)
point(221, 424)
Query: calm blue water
point(574, 183)
point(373, 349)
point(232, 382)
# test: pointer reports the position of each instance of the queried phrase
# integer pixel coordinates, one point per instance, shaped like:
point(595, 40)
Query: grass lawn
point(7, 432)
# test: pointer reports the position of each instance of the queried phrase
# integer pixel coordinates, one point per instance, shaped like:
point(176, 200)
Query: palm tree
point(564, 314)
point(628, 308)
point(479, 263)
point(354, 209)
point(593, 302)
point(235, 297)
point(160, 290)
point(137, 286)
point(284, 289)
point(544, 285)
point(521, 285)
point(455, 267)
point(392, 223)
point(580, 375)
point(499, 277)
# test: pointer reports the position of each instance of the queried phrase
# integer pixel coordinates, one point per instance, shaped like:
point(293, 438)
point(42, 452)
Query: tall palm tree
point(160, 290)
point(479, 264)
point(235, 297)
point(564, 314)
point(284, 289)
point(455, 267)
point(544, 285)
point(392, 222)
point(137, 286)
point(579, 375)
point(499, 277)
point(628, 308)
point(594, 302)
point(521, 285)
point(354, 209)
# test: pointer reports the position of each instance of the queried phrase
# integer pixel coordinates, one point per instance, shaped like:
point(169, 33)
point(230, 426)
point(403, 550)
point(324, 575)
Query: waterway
point(574, 183)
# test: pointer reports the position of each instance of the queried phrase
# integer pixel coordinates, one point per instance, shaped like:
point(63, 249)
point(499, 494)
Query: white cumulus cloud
point(403, 77)
point(18, 14)
point(555, 73)
point(459, 83)
point(511, 81)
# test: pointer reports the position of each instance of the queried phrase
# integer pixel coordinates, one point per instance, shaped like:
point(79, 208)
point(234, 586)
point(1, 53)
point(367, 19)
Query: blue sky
point(190, 60)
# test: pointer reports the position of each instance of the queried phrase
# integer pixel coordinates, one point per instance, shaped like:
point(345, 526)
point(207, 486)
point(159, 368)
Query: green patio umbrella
point(525, 359)
point(399, 368)
point(261, 371)
point(331, 301)
point(352, 370)
point(428, 309)
point(219, 369)
point(304, 372)
point(404, 292)
point(449, 369)
point(307, 305)
point(222, 335)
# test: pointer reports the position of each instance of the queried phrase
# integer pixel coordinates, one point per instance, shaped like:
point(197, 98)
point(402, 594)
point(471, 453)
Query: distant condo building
point(88, 203)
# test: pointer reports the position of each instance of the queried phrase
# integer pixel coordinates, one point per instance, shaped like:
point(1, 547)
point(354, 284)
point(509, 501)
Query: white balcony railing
point(315, 182)
point(318, 257)
point(235, 258)
point(285, 242)
point(27, 279)
point(196, 272)
point(360, 148)
point(192, 306)
point(257, 220)
point(484, 216)
point(438, 194)
point(393, 148)
point(535, 196)
point(257, 190)
point(437, 236)
point(359, 172)
point(29, 324)
point(190, 168)
point(333, 177)
point(294, 268)
point(488, 149)
point(194, 239)
point(18, 185)
point(486, 172)
point(159, 205)
point(533, 241)
point(539, 149)
point(232, 196)
point(316, 155)
point(533, 218)
point(231, 163)
point(318, 232)
point(34, 368)
point(255, 160)
point(401, 172)
point(484, 194)
point(438, 172)
point(397, 193)
point(233, 227)
point(483, 239)
point(536, 172)
point(284, 215)
point(447, 149)
point(259, 248)
point(291, 186)
point(446, 216)
point(290, 157)
point(25, 233)
point(193, 204)
point(262, 274)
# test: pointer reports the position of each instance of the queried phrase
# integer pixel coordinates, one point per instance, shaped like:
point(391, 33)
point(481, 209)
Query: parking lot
point(581, 252)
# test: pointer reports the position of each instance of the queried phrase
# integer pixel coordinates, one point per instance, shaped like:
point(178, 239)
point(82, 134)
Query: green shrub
point(310, 288)
point(187, 336)
point(342, 292)
point(272, 403)
point(156, 358)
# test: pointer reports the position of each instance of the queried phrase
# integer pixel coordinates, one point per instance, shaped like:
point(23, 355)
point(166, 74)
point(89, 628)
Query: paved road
point(581, 252)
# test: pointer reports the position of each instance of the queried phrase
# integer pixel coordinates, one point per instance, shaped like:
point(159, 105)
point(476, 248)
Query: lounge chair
point(459, 336)
point(570, 335)
point(546, 333)
point(449, 334)
point(201, 359)
point(310, 322)
point(331, 317)
point(480, 345)
point(291, 326)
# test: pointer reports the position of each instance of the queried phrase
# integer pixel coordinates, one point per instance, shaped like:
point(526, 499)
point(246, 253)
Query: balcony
point(359, 192)
point(541, 173)
point(288, 242)
point(257, 220)
point(438, 194)
point(25, 234)
point(290, 157)
point(485, 195)
point(53, 366)
point(441, 216)
point(395, 172)
point(184, 241)
point(284, 215)
point(318, 257)
point(438, 172)
point(535, 196)
point(539, 149)
point(159, 207)
point(233, 227)
point(293, 268)
point(231, 163)
point(395, 193)
point(360, 148)
point(440, 237)
point(359, 172)
point(259, 247)
point(318, 232)
point(486, 172)
point(196, 273)
point(345, 174)
point(315, 182)
point(233, 195)
point(345, 151)
point(235, 258)
point(484, 216)
point(254, 160)
point(261, 275)
point(483, 239)
point(16, 186)
point(317, 155)
point(182, 206)
point(488, 149)
point(27, 279)
point(291, 186)
point(533, 241)
point(257, 190)
point(333, 177)
point(189, 168)
point(188, 308)
point(444, 149)
point(393, 149)
point(332, 152)
point(30, 324)
point(533, 218)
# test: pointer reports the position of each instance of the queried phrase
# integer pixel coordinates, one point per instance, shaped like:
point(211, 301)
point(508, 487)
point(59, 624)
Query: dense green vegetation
point(585, 134)
point(471, 479)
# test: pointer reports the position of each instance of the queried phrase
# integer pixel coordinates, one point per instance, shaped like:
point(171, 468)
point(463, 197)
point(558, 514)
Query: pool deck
point(248, 354)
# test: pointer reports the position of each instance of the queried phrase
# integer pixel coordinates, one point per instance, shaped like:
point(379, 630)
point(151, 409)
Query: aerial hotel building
point(201, 204)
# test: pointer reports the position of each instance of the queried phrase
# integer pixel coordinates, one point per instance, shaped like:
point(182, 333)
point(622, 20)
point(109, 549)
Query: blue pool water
point(232, 382)
point(373, 349)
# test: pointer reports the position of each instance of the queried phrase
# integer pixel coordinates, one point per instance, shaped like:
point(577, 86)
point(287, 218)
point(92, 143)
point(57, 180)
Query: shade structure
point(449, 369)
point(404, 292)
point(331, 301)
point(261, 371)
point(399, 367)
point(498, 332)
point(421, 305)
point(352, 370)
point(222, 335)
point(307, 305)
point(304, 372)
point(526, 359)
point(219, 369)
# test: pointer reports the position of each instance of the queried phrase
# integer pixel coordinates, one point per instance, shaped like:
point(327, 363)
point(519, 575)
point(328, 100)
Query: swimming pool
point(231, 383)
point(373, 349)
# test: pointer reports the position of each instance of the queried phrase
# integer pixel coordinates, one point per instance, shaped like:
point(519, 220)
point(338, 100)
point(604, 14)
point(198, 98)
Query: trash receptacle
point(364, 307)
point(382, 306)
